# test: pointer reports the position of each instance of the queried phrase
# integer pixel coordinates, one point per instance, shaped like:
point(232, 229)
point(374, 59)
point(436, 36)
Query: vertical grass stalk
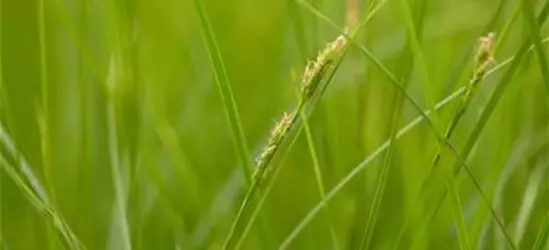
point(313, 75)
point(225, 90)
point(488, 110)
point(482, 61)
point(423, 116)
point(318, 177)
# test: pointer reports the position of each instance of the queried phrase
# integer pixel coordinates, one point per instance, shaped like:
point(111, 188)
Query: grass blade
point(315, 101)
point(35, 192)
point(120, 206)
point(498, 92)
point(406, 74)
point(528, 8)
point(362, 165)
point(396, 83)
point(225, 90)
point(268, 189)
point(44, 118)
point(318, 177)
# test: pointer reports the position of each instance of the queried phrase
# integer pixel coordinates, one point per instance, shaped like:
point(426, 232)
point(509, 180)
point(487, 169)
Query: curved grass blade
point(528, 200)
point(120, 193)
point(318, 177)
point(310, 81)
point(528, 8)
point(315, 100)
point(498, 92)
point(268, 189)
point(400, 88)
point(35, 192)
point(224, 87)
point(406, 74)
point(344, 181)
point(54, 218)
point(316, 209)
point(45, 127)
point(543, 234)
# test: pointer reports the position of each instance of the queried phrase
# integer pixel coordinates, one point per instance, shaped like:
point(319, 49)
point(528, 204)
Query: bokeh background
point(114, 107)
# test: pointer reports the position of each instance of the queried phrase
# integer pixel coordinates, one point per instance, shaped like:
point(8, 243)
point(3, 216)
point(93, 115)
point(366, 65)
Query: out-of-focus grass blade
point(318, 177)
point(120, 217)
point(362, 165)
point(224, 87)
point(395, 82)
point(528, 8)
point(490, 107)
point(543, 234)
point(407, 66)
point(528, 200)
point(35, 192)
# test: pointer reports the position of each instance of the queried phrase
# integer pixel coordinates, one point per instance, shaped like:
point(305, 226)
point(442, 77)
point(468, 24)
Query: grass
point(175, 125)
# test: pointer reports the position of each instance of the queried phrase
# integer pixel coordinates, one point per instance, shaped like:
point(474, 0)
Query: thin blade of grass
point(52, 215)
point(362, 165)
point(267, 191)
point(528, 199)
point(316, 209)
point(120, 205)
point(528, 8)
point(406, 74)
point(318, 178)
point(486, 114)
point(543, 234)
point(463, 238)
point(44, 119)
point(314, 104)
point(400, 88)
point(413, 38)
point(524, 148)
point(225, 90)
point(35, 192)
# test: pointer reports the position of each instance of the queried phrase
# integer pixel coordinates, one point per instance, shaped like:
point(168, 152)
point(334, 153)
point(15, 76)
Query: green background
point(107, 96)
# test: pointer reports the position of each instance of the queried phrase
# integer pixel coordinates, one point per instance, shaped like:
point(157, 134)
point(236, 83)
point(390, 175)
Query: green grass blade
point(400, 88)
point(120, 192)
point(49, 212)
point(486, 114)
point(318, 177)
point(224, 87)
point(427, 85)
point(528, 8)
point(531, 192)
point(428, 92)
point(406, 74)
point(356, 170)
point(301, 41)
point(543, 234)
point(44, 121)
point(457, 211)
point(268, 190)
point(362, 165)
point(315, 102)
point(35, 192)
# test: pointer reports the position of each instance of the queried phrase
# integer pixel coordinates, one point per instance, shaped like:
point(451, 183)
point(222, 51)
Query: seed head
point(315, 69)
point(484, 58)
point(280, 130)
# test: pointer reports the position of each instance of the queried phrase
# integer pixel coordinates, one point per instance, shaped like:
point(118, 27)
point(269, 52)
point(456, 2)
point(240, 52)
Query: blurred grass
point(115, 108)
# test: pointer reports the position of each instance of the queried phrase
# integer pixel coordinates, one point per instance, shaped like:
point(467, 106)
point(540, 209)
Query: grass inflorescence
point(310, 81)
point(130, 124)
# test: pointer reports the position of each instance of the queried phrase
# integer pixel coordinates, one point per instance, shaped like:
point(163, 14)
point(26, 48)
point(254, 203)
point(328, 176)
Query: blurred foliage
point(114, 106)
